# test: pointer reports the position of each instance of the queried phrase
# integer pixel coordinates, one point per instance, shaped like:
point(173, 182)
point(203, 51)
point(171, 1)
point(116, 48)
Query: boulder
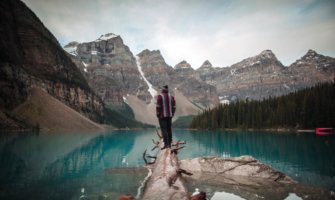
point(239, 166)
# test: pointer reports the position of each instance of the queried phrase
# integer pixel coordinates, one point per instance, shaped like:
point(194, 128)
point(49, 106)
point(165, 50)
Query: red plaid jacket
point(165, 105)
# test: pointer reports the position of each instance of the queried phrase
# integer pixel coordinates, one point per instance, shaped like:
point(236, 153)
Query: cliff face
point(109, 67)
point(181, 77)
point(31, 56)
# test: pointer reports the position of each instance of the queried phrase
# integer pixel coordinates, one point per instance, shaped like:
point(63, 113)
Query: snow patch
point(286, 86)
point(151, 90)
point(224, 102)
point(85, 66)
point(293, 196)
point(94, 52)
point(225, 195)
point(125, 100)
point(107, 36)
point(232, 71)
point(71, 50)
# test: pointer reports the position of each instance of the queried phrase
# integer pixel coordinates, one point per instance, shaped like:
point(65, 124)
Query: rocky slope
point(30, 56)
point(263, 75)
point(38, 106)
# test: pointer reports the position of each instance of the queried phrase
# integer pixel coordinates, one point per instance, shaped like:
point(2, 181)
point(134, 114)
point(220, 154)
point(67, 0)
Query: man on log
point(165, 109)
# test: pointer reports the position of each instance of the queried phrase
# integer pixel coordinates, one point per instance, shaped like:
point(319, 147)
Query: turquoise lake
point(72, 165)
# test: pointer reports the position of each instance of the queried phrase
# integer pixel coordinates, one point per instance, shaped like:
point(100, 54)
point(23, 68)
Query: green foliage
point(123, 109)
point(183, 122)
point(120, 121)
point(309, 108)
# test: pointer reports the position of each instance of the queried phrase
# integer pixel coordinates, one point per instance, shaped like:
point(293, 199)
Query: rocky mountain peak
point(107, 36)
point(206, 65)
point(71, 44)
point(147, 52)
point(312, 60)
point(267, 54)
point(155, 57)
point(265, 59)
point(71, 48)
point(312, 55)
point(183, 65)
point(311, 52)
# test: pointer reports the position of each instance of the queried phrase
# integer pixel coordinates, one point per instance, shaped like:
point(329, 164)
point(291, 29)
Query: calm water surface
point(71, 165)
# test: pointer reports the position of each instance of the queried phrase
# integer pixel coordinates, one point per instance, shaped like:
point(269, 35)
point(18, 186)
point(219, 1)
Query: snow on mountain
point(71, 48)
point(151, 90)
point(107, 36)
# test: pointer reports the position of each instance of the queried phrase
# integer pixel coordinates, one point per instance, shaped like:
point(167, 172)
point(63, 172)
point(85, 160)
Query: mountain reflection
point(90, 157)
point(58, 166)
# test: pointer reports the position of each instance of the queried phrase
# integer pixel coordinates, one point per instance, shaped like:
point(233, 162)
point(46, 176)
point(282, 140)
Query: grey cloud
point(223, 31)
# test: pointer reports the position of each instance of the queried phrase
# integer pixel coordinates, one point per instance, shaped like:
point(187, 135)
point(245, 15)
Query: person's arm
point(159, 106)
point(173, 106)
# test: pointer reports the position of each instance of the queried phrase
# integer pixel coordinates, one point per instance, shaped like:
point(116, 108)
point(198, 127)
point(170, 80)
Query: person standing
point(165, 109)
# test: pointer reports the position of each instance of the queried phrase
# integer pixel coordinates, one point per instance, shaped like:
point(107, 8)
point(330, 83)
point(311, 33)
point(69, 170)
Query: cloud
point(222, 31)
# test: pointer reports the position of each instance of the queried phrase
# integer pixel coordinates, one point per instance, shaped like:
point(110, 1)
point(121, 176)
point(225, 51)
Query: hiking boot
point(164, 147)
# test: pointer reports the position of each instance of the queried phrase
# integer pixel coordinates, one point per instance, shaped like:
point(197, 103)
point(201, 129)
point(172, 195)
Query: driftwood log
point(165, 182)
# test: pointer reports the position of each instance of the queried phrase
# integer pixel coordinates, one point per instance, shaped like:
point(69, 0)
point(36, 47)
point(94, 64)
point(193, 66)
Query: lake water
point(75, 165)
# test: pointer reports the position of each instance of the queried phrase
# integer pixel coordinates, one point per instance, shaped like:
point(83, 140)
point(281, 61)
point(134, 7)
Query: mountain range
point(102, 81)
point(114, 73)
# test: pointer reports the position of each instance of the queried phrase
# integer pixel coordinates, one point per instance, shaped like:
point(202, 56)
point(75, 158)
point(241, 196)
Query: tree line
point(308, 108)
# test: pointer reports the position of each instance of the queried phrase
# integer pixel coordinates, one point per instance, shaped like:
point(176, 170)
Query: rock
point(245, 178)
point(240, 166)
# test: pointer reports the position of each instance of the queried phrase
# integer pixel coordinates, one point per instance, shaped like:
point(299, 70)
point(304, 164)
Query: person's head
point(165, 88)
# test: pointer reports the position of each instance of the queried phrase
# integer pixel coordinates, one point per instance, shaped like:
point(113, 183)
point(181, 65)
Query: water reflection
point(58, 166)
point(305, 157)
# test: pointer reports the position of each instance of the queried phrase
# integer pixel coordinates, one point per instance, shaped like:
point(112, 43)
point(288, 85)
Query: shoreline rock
point(247, 178)
point(238, 166)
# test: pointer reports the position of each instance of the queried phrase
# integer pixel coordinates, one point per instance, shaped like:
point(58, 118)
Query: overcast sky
point(222, 31)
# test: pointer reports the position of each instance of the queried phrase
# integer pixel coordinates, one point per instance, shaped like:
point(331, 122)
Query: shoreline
point(295, 130)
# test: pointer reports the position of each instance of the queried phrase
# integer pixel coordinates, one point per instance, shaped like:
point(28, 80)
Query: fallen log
point(166, 181)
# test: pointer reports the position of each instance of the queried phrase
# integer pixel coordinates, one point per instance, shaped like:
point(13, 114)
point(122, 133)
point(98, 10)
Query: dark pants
point(165, 124)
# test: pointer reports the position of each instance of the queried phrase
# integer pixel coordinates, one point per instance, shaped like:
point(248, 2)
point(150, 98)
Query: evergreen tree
point(308, 108)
